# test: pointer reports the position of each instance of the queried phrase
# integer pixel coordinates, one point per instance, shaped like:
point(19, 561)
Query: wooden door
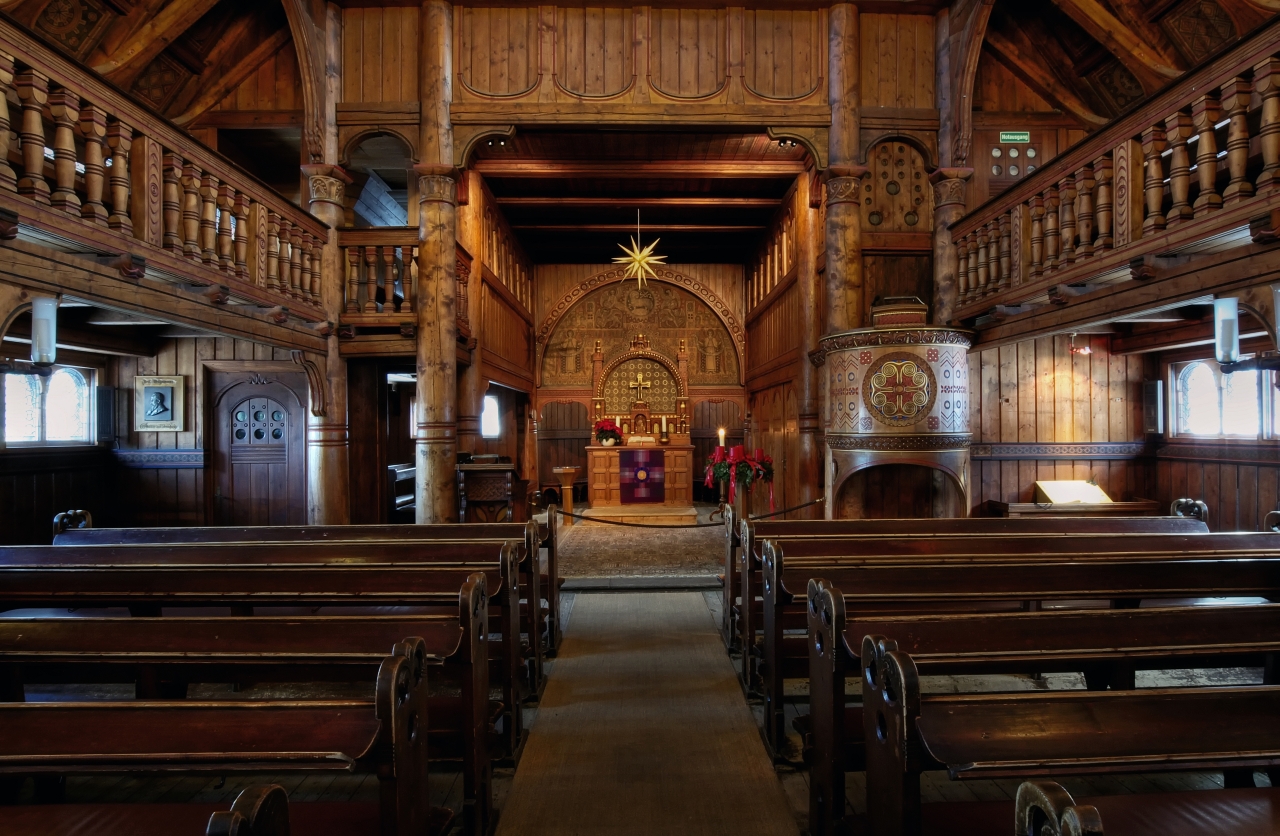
point(258, 448)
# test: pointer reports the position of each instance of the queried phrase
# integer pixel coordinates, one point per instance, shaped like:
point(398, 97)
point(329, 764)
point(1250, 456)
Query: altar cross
point(640, 385)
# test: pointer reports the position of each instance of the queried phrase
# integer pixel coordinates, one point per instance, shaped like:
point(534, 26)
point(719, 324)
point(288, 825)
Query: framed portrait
point(158, 404)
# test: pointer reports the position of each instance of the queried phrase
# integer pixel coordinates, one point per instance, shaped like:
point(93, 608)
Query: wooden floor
point(642, 729)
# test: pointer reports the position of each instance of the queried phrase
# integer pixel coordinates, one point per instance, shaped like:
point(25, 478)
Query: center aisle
point(642, 729)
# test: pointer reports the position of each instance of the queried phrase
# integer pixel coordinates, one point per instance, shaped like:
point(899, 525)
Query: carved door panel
point(258, 446)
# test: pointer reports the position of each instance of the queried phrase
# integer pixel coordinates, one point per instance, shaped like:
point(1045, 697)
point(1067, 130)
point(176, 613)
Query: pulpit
point(649, 473)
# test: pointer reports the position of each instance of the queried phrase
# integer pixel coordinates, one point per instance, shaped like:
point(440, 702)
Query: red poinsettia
point(606, 429)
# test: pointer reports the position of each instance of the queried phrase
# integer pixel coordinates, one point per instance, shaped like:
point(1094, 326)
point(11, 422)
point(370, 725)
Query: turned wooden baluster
point(388, 255)
point(1266, 81)
point(1153, 145)
point(65, 108)
point(8, 177)
point(273, 252)
point(226, 240)
point(1178, 130)
point(1205, 114)
point(1067, 220)
point(1085, 185)
point(353, 280)
point(209, 219)
point(33, 92)
point(120, 141)
point(1036, 205)
point(304, 279)
point(411, 281)
point(1051, 234)
point(286, 256)
point(93, 127)
point(984, 262)
point(1104, 178)
point(311, 267)
point(295, 262)
point(1006, 260)
point(406, 284)
point(992, 230)
point(241, 212)
point(191, 211)
point(975, 288)
point(173, 200)
point(962, 271)
point(1235, 101)
point(371, 279)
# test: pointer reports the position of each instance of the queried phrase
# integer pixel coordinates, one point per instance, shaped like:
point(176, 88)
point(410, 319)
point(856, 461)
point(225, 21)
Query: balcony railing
point(95, 168)
point(1198, 161)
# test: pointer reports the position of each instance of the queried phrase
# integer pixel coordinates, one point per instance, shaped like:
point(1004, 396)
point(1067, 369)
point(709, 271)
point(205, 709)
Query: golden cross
point(640, 385)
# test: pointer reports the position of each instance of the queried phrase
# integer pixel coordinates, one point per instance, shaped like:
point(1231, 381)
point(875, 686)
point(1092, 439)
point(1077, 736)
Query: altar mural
point(611, 315)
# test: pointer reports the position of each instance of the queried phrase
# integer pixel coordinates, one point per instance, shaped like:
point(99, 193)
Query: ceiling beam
point(1143, 60)
point(649, 227)
point(1025, 64)
point(118, 341)
point(637, 169)
point(1134, 15)
point(643, 202)
point(156, 34)
point(217, 82)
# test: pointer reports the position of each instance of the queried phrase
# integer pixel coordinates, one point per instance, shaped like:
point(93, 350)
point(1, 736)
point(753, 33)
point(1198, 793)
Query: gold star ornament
point(640, 262)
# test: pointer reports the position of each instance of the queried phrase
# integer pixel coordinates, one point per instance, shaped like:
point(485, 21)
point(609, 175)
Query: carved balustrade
point(94, 169)
point(1199, 160)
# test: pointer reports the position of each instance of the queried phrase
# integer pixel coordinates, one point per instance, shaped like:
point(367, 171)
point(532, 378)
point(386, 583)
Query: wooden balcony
point(1189, 178)
point(95, 173)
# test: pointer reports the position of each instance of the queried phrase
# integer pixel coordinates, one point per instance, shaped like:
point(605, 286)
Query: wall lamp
point(44, 340)
point(1226, 340)
point(1074, 349)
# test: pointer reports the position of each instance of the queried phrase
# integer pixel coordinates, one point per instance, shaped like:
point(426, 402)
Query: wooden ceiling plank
point(642, 202)
point(637, 169)
point(217, 82)
point(1151, 68)
point(149, 41)
point(1134, 15)
point(1025, 66)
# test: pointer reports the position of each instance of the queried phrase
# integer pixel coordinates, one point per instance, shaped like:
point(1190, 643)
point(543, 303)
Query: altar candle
point(664, 423)
point(722, 436)
point(759, 454)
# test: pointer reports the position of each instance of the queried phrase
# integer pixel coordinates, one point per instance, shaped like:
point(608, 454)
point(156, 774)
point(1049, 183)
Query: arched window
point(55, 410)
point(1216, 405)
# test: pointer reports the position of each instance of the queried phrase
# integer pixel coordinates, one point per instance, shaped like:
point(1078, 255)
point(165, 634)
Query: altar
point(647, 475)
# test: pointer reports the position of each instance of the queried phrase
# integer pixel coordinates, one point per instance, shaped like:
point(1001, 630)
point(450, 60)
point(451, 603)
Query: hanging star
point(640, 262)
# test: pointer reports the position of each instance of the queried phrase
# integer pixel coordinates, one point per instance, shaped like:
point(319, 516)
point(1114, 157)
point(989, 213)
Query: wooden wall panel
point(595, 49)
point(506, 341)
point(708, 417)
point(784, 52)
point(1240, 483)
point(380, 54)
point(563, 435)
point(687, 51)
point(773, 336)
point(36, 484)
point(775, 430)
point(898, 275)
point(496, 51)
point(1039, 394)
point(897, 58)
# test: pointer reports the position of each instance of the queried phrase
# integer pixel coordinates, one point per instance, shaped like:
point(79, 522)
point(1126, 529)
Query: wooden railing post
point(273, 252)
point(1067, 219)
point(971, 244)
point(1178, 130)
point(64, 105)
point(1005, 260)
point(1153, 145)
point(1235, 101)
point(295, 262)
point(1205, 114)
point(93, 127)
point(1266, 82)
point(388, 277)
point(120, 141)
point(8, 177)
point(311, 267)
point(33, 92)
point(1102, 173)
point(1085, 184)
point(984, 263)
point(962, 271)
point(1129, 192)
point(406, 281)
point(174, 199)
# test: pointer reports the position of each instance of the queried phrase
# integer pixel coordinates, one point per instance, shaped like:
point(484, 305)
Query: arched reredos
point(736, 332)
point(665, 362)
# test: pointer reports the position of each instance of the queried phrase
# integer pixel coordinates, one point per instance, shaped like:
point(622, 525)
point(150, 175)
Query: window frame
point(91, 376)
point(1267, 394)
point(497, 410)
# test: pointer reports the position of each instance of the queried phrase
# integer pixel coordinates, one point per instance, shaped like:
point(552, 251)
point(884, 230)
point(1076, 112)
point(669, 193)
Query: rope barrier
point(565, 513)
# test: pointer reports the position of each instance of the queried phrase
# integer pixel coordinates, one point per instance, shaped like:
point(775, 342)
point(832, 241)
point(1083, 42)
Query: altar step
point(644, 515)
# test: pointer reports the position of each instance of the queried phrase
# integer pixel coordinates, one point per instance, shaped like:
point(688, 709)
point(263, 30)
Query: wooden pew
point(259, 810)
point(148, 578)
point(784, 581)
point(743, 538)
point(1042, 734)
point(384, 736)
point(1044, 808)
point(1108, 646)
point(162, 656)
point(535, 619)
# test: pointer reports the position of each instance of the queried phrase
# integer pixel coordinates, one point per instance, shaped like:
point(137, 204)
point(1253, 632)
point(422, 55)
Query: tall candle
point(664, 423)
point(722, 436)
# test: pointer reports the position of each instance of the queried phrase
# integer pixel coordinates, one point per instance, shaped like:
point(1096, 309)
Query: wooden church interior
point(310, 312)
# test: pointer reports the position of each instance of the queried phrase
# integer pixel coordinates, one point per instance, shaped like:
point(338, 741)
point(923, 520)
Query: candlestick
point(722, 436)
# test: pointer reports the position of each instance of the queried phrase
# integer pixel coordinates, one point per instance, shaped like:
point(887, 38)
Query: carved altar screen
point(640, 380)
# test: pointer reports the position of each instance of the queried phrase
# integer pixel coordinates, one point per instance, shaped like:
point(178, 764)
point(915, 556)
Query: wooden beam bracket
point(1061, 294)
point(1003, 312)
point(278, 314)
point(1265, 229)
point(324, 329)
point(130, 267)
point(218, 294)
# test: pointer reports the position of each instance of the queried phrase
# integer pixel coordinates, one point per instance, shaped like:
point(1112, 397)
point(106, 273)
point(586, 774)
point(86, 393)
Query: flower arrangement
point(605, 429)
point(746, 471)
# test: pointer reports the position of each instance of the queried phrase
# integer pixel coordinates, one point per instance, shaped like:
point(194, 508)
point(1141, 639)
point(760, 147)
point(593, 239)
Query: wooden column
point(436, 439)
point(809, 443)
point(949, 204)
point(328, 465)
point(844, 185)
point(471, 387)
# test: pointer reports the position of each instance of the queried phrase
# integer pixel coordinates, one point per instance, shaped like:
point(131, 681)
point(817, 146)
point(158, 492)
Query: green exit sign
point(1015, 137)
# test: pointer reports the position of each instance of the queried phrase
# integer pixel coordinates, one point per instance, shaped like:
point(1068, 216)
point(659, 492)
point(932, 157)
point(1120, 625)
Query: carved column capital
point(949, 186)
point(844, 182)
point(437, 183)
point(327, 183)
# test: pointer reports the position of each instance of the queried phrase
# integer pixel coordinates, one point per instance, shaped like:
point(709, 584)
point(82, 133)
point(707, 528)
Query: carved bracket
point(218, 294)
point(816, 140)
point(315, 380)
point(466, 138)
point(8, 225)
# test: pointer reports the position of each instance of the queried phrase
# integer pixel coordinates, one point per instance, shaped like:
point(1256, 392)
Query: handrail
point(1150, 172)
point(125, 181)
